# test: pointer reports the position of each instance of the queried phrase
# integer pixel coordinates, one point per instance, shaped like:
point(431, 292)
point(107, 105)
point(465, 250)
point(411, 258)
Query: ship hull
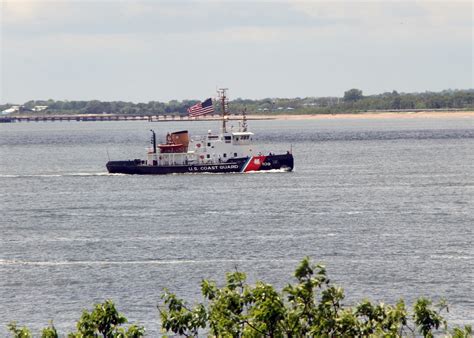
point(247, 164)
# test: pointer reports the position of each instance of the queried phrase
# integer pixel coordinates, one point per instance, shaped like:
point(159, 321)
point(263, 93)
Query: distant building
point(19, 109)
point(39, 108)
point(10, 110)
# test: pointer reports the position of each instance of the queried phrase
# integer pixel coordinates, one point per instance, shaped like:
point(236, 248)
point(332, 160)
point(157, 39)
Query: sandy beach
point(374, 115)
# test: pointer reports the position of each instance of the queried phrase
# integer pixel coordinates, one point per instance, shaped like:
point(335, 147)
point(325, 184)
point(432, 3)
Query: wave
point(282, 170)
point(366, 135)
point(447, 256)
point(59, 175)
point(14, 262)
point(108, 174)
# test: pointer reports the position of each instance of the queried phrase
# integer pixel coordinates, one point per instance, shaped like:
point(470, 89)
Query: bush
point(311, 306)
point(104, 321)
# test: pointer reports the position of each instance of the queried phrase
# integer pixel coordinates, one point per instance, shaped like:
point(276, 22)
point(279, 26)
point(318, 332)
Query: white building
point(39, 108)
point(10, 110)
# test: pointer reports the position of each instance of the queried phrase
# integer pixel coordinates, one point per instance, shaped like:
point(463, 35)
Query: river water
point(386, 204)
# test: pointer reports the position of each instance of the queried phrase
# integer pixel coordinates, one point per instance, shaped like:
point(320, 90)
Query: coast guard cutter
point(227, 152)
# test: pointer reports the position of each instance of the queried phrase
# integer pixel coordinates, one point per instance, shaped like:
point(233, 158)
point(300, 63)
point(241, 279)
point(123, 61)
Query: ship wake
point(80, 174)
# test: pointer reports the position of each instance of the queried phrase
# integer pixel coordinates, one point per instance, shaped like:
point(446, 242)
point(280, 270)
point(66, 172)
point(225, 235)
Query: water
point(386, 204)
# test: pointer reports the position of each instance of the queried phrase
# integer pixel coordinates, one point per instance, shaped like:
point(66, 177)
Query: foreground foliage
point(103, 321)
point(310, 307)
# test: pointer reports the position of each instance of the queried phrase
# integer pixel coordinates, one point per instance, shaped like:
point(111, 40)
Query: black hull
point(255, 163)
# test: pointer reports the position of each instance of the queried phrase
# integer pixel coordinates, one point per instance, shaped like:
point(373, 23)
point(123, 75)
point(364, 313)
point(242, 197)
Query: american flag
point(201, 108)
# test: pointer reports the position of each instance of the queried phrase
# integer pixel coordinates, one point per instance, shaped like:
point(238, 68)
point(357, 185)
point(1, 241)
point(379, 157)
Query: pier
point(114, 117)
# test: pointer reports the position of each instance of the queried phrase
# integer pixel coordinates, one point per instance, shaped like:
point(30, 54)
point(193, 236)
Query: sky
point(144, 51)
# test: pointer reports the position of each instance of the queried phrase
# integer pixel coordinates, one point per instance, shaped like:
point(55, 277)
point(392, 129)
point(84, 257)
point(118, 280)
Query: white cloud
point(410, 21)
point(28, 11)
point(153, 44)
point(19, 10)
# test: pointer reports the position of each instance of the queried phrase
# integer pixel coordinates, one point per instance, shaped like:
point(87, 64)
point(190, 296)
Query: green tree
point(49, 332)
point(177, 317)
point(396, 100)
point(17, 332)
point(353, 95)
point(24, 332)
point(94, 107)
point(427, 318)
point(105, 321)
point(310, 307)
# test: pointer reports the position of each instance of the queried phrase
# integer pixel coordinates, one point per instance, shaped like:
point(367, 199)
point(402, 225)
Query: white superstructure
point(220, 148)
point(208, 149)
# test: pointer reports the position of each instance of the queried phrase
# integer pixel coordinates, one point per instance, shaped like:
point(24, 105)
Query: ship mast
point(244, 120)
point(223, 98)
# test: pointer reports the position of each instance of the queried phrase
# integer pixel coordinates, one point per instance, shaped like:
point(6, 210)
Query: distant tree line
point(310, 307)
point(353, 101)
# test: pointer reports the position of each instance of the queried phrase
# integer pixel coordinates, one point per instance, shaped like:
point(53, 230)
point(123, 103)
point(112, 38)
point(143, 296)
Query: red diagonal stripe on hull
point(255, 163)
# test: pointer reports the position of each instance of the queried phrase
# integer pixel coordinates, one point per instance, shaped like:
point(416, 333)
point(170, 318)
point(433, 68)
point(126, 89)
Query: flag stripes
point(201, 108)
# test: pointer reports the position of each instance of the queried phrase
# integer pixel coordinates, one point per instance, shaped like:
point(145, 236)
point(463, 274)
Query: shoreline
point(370, 115)
point(250, 117)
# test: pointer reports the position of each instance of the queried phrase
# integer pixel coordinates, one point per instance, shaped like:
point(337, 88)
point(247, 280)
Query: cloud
point(157, 45)
point(238, 21)
point(390, 19)
point(14, 11)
